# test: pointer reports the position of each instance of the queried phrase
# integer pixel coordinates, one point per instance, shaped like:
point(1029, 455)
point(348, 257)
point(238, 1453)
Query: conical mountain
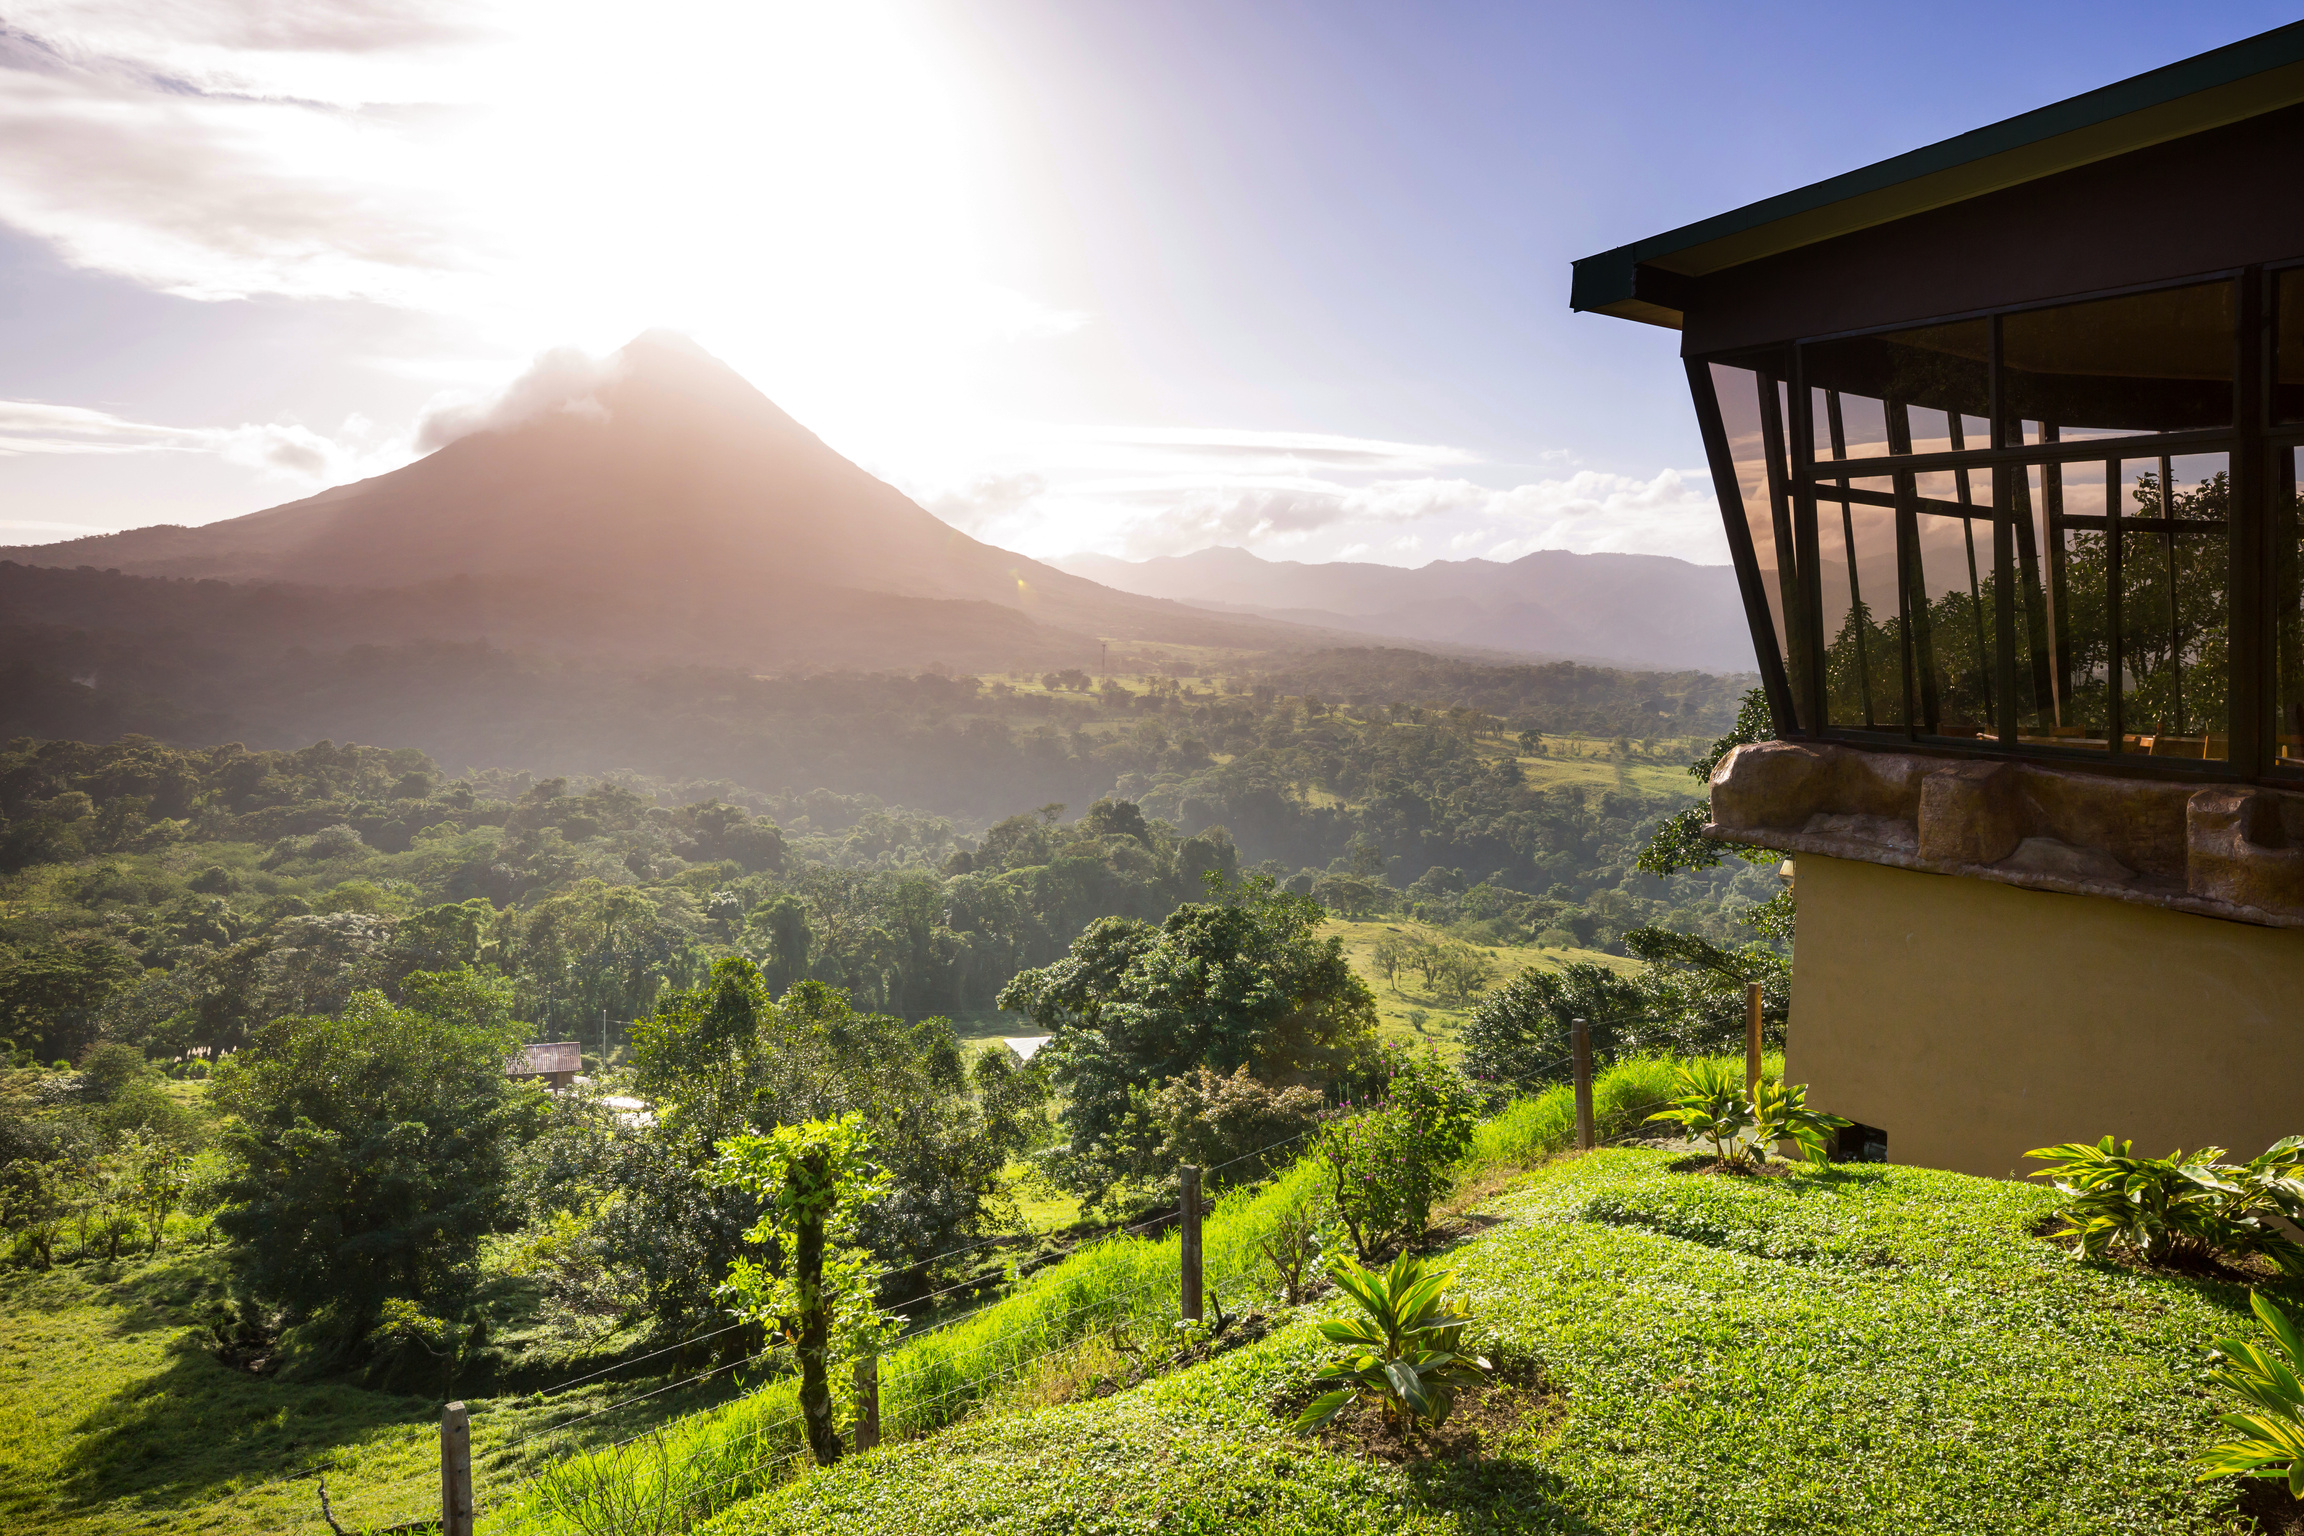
point(673, 480)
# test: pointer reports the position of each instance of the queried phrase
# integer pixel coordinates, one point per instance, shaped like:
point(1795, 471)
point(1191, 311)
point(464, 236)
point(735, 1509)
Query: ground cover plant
point(1862, 1349)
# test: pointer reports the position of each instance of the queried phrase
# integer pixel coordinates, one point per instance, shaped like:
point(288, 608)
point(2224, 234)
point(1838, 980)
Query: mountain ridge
point(679, 487)
point(1624, 610)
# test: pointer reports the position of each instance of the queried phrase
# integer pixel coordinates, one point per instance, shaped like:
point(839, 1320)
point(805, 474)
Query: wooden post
point(455, 1471)
point(1189, 1177)
point(1752, 1039)
point(867, 1402)
point(1581, 1036)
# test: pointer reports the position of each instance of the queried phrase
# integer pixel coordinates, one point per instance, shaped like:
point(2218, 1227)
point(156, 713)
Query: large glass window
point(1903, 392)
point(1752, 415)
point(1863, 623)
point(2023, 586)
point(2144, 362)
point(2288, 349)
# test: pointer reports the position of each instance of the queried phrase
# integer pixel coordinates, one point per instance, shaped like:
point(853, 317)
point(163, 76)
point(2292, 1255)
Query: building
point(2008, 432)
point(557, 1062)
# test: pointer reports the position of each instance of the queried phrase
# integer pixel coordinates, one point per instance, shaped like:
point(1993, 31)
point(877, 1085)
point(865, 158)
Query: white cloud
point(563, 379)
point(281, 450)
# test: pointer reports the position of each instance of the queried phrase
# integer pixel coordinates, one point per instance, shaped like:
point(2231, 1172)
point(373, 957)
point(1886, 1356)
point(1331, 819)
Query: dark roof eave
point(2242, 80)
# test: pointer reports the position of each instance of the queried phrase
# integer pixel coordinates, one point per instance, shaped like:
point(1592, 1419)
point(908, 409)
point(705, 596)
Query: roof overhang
point(1647, 280)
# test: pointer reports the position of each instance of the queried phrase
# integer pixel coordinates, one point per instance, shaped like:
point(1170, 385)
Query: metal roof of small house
point(1646, 280)
point(547, 1056)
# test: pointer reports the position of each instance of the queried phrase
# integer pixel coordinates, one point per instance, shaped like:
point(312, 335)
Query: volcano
point(671, 507)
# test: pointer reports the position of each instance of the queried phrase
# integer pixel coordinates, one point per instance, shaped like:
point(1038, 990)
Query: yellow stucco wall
point(1973, 1021)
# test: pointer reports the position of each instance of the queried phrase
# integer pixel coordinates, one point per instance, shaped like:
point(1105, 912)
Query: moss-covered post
point(1580, 1040)
point(1189, 1177)
point(1752, 1040)
point(455, 1471)
point(867, 1402)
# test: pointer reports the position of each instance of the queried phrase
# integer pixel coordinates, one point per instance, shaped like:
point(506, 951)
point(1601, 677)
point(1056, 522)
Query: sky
point(1078, 275)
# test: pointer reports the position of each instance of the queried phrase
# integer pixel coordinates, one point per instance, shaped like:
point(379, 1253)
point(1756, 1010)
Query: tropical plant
point(2178, 1206)
point(2271, 1429)
point(1783, 1115)
point(1407, 1351)
point(1744, 1125)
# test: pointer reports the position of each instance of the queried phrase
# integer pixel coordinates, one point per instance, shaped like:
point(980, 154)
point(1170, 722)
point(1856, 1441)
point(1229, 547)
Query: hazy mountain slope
point(675, 483)
point(1630, 610)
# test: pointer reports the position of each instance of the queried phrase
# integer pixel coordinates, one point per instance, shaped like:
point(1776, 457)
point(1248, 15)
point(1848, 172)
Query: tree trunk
point(815, 1342)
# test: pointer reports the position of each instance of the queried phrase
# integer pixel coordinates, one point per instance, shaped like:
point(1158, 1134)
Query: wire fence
point(662, 1476)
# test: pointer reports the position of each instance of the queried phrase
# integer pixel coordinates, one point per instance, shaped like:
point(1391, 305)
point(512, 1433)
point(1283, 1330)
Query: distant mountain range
point(674, 513)
point(1647, 612)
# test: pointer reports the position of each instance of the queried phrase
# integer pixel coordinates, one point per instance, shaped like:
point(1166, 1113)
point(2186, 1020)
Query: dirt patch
point(2266, 1501)
point(1705, 1163)
point(1457, 1228)
point(1515, 1397)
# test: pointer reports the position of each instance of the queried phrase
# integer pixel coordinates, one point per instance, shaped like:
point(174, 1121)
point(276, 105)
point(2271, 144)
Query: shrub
point(1391, 1159)
point(1407, 1352)
point(1216, 1121)
point(2271, 1433)
point(1713, 1105)
point(2177, 1207)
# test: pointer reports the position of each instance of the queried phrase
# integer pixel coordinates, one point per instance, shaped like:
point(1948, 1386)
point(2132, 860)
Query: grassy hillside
point(1867, 1350)
point(1409, 1010)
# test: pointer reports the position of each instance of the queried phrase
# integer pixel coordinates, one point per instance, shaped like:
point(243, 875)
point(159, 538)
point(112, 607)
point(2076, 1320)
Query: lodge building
point(2007, 433)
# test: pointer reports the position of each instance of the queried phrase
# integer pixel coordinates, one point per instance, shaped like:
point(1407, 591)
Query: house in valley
point(2007, 433)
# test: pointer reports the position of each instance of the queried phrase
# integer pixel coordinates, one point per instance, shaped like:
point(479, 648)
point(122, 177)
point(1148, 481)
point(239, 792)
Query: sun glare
point(794, 185)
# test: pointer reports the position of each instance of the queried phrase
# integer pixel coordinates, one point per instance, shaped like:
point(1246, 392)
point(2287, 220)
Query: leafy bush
point(2271, 1432)
point(1407, 1352)
point(2177, 1207)
point(1213, 1121)
point(1389, 1160)
point(1713, 1104)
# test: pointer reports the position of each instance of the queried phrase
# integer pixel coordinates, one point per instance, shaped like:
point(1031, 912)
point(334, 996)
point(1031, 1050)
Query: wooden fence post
point(455, 1471)
point(1752, 1039)
point(1581, 1036)
point(1189, 1177)
point(867, 1402)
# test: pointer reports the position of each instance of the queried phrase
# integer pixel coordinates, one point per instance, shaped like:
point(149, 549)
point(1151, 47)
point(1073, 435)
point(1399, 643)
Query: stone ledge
point(2227, 851)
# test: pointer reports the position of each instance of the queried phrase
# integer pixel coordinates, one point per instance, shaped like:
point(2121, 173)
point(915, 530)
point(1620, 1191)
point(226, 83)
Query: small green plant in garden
point(2271, 1430)
point(1742, 1126)
point(1407, 1351)
point(2177, 1207)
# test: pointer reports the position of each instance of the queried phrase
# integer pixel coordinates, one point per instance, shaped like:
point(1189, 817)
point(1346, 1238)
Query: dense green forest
point(176, 898)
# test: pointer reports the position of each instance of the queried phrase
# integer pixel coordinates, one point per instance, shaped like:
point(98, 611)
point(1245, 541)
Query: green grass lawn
point(1870, 1350)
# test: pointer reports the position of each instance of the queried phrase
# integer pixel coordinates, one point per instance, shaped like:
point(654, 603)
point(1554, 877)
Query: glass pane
point(2149, 362)
point(1863, 628)
point(1752, 412)
point(1901, 391)
point(1953, 620)
point(2034, 653)
point(2288, 608)
point(2172, 606)
point(2079, 610)
point(2288, 371)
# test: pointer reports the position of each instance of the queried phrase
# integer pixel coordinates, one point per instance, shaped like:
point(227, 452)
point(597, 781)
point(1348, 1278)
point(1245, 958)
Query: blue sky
point(1136, 278)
